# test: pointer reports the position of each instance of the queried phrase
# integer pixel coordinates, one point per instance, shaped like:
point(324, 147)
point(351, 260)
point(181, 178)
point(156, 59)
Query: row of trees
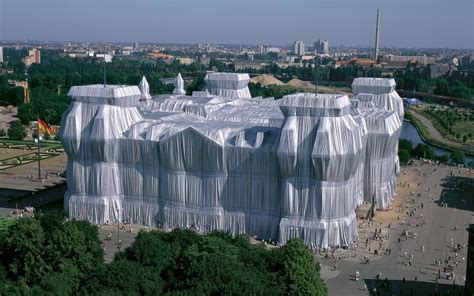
point(50, 81)
point(275, 91)
point(406, 152)
point(409, 80)
point(50, 255)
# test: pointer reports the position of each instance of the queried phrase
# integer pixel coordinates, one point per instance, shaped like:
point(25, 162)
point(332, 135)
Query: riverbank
point(430, 135)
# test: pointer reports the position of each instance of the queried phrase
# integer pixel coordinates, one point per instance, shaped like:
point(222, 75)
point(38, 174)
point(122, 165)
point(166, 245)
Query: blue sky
point(404, 23)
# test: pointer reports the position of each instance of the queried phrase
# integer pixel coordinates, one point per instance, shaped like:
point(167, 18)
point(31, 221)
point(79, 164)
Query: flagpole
point(39, 156)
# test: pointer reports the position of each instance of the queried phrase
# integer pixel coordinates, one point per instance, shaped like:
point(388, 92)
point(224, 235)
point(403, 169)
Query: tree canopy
point(16, 131)
point(50, 255)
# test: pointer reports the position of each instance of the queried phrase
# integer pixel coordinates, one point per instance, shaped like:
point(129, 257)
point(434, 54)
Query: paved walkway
point(429, 240)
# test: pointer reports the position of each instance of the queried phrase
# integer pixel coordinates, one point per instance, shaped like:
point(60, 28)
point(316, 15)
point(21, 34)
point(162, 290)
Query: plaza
point(434, 232)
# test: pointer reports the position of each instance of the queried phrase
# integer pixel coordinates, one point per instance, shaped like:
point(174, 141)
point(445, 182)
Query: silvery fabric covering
point(179, 85)
point(230, 85)
point(380, 106)
point(320, 149)
point(295, 167)
point(144, 89)
point(383, 93)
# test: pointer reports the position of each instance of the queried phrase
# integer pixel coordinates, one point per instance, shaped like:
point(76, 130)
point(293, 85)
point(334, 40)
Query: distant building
point(24, 85)
point(135, 45)
point(436, 70)
point(1, 54)
point(340, 63)
point(249, 65)
point(204, 60)
point(185, 61)
point(34, 57)
point(412, 59)
point(298, 48)
point(28, 61)
point(160, 55)
point(168, 80)
point(273, 49)
point(364, 63)
point(321, 46)
point(107, 57)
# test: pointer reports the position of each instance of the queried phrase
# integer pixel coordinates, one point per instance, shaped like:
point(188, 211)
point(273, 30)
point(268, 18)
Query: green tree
point(64, 283)
point(404, 156)
point(74, 246)
point(457, 157)
point(443, 158)
point(422, 85)
point(423, 151)
point(3, 133)
point(197, 85)
point(301, 272)
point(149, 249)
point(460, 90)
point(404, 144)
point(123, 277)
point(16, 131)
point(442, 87)
point(23, 253)
point(214, 266)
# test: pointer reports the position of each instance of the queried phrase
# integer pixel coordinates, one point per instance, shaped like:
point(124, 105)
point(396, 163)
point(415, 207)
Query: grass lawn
point(466, 126)
point(6, 153)
point(460, 126)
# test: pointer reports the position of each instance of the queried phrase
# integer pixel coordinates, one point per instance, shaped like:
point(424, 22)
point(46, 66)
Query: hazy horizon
point(404, 24)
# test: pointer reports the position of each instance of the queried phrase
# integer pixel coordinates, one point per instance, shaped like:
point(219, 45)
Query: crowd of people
point(413, 216)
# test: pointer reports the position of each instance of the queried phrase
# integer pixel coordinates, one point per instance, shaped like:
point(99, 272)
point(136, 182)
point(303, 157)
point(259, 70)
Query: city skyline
point(425, 24)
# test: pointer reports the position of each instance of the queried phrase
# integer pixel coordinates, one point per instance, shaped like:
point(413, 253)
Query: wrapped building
point(220, 159)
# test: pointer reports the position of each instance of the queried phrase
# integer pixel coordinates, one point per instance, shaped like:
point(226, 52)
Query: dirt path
point(435, 134)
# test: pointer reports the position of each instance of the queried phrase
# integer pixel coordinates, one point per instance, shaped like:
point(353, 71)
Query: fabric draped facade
point(277, 169)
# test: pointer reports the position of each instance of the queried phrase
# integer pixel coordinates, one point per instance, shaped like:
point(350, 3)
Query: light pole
point(118, 229)
point(317, 73)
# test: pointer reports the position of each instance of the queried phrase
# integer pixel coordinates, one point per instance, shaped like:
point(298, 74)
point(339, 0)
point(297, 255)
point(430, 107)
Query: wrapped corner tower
point(377, 103)
point(231, 85)
point(319, 153)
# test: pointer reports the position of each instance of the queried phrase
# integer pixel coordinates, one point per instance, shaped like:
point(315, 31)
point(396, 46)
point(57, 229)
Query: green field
point(456, 125)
